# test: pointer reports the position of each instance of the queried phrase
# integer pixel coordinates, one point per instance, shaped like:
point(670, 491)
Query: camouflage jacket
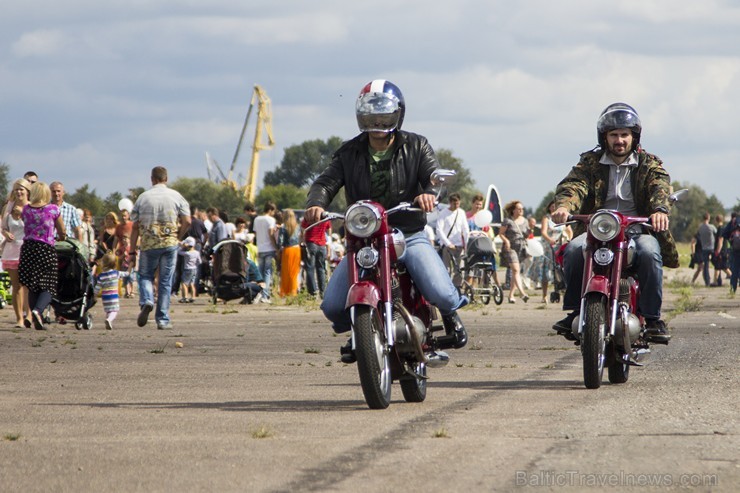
point(585, 188)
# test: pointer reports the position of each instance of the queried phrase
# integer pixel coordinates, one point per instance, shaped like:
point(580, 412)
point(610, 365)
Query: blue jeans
point(649, 271)
point(426, 269)
point(164, 259)
point(315, 268)
point(264, 261)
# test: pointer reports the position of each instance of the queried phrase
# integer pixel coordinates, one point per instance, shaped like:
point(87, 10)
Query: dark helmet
point(380, 107)
point(618, 115)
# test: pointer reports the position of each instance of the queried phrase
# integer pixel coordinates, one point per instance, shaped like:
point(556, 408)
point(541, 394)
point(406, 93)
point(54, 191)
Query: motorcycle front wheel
point(373, 360)
point(593, 344)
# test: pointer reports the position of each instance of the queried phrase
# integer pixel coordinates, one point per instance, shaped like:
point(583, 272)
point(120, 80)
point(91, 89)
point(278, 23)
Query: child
point(125, 268)
point(106, 286)
point(191, 261)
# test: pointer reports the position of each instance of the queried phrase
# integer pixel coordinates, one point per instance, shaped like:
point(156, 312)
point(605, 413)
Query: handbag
point(441, 246)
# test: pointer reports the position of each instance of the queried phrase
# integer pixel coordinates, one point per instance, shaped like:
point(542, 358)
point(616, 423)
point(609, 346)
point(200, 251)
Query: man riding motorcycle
point(389, 166)
point(619, 175)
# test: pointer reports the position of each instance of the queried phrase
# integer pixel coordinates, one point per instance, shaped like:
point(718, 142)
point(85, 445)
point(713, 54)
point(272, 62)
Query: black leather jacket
point(411, 168)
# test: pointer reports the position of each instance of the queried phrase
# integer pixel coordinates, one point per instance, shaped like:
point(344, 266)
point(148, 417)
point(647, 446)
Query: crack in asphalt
point(341, 467)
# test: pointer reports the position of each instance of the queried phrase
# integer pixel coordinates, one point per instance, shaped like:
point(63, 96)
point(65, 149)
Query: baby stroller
point(479, 269)
point(75, 292)
point(558, 274)
point(229, 271)
point(6, 295)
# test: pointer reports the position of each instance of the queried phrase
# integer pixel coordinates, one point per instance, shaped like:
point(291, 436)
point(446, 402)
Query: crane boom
point(264, 120)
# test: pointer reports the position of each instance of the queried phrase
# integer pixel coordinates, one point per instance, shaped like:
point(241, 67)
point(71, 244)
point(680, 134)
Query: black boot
point(348, 355)
point(455, 331)
point(564, 327)
point(656, 332)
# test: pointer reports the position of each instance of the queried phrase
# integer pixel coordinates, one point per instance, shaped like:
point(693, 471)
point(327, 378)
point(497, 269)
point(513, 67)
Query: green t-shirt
point(380, 175)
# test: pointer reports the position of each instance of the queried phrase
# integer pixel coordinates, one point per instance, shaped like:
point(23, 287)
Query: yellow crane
point(264, 121)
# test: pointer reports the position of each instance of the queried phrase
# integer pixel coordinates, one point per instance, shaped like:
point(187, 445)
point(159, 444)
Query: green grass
point(158, 349)
point(263, 431)
point(441, 433)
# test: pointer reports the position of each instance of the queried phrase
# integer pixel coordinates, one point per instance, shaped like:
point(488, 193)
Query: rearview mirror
point(443, 177)
point(676, 196)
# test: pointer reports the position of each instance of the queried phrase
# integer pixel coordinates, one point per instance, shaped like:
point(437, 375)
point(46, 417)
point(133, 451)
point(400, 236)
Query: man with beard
point(619, 175)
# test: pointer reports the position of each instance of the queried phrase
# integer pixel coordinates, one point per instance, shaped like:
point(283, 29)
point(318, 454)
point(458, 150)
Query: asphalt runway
point(256, 399)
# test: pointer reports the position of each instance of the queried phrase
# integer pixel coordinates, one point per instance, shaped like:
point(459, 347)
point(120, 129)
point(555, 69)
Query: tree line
point(287, 186)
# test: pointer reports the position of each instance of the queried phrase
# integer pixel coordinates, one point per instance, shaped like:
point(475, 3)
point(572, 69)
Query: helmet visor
point(618, 118)
point(377, 112)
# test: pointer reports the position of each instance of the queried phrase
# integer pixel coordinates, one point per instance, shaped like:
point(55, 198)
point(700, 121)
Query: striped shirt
point(106, 286)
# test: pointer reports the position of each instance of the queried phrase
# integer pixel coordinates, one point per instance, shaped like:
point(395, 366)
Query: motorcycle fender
point(598, 284)
point(363, 293)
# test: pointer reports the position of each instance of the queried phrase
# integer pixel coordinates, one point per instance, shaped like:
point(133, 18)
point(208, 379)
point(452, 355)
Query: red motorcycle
point(392, 323)
point(609, 330)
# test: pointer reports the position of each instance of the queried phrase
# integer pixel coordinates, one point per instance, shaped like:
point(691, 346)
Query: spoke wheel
point(373, 360)
point(593, 344)
point(468, 291)
point(618, 371)
point(414, 387)
point(487, 285)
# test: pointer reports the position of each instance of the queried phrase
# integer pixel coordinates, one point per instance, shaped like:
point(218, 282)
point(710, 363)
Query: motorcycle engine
point(633, 326)
point(402, 335)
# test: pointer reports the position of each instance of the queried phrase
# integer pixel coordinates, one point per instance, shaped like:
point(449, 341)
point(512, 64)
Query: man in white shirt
point(452, 235)
point(264, 229)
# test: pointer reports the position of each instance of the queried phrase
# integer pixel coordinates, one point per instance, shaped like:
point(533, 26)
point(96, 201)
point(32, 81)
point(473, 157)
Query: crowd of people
point(37, 216)
point(165, 244)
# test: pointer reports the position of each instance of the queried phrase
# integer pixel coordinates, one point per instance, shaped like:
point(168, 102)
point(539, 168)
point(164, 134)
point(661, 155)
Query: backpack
point(735, 240)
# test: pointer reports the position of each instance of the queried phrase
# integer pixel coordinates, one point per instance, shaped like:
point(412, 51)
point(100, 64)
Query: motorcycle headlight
point(604, 226)
point(367, 257)
point(362, 220)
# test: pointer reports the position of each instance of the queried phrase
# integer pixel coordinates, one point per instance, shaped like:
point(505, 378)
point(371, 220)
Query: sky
point(98, 93)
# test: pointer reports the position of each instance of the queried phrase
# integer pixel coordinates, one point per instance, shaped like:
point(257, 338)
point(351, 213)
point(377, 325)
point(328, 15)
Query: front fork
point(608, 285)
point(388, 325)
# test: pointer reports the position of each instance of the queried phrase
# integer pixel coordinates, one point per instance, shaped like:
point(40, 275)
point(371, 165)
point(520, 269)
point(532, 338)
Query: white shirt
point(619, 195)
point(452, 228)
point(261, 228)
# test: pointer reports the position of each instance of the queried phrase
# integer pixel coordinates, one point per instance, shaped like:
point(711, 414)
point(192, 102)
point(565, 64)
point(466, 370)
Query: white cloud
point(513, 89)
point(41, 43)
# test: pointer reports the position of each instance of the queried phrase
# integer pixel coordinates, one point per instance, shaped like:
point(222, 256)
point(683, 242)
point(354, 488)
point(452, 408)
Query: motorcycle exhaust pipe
point(415, 331)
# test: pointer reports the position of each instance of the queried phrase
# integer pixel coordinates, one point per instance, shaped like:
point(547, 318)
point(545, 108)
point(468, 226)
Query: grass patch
point(212, 308)
point(229, 311)
point(440, 433)
point(12, 437)
point(302, 299)
point(686, 302)
point(311, 350)
point(476, 346)
point(158, 349)
point(262, 432)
